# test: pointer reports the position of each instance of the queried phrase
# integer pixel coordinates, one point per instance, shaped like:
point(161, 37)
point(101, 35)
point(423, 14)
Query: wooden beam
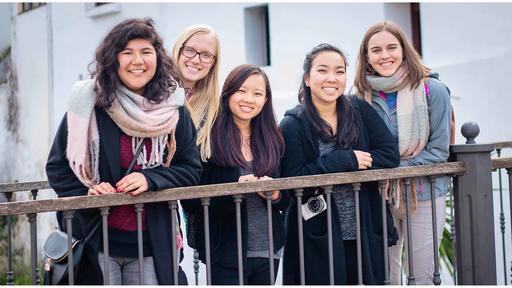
point(83, 202)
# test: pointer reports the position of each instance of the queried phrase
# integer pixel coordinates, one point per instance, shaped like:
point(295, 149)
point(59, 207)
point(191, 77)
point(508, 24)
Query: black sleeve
point(218, 205)
point(60, 176)
point(185, 168)
point(295, 162)
point(194, 205)
point(383, 147)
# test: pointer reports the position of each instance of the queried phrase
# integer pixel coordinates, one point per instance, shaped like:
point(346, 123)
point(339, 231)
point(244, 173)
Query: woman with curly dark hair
point(131, 101)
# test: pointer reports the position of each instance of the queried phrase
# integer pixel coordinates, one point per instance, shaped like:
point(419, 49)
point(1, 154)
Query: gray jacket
point(437, 149)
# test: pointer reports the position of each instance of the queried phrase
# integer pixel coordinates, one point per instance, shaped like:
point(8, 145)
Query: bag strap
point(93, 230)
point(128, 171)
point(137, 152)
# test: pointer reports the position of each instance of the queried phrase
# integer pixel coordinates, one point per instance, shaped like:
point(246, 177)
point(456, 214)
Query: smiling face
point(385, 53)
point(248, 101)
point(327, 78)
point(193, 69)
point(137, 65)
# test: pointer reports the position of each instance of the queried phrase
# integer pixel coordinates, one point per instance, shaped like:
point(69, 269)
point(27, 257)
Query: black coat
point(222, 219)
point(302, 157)
point(185, 170)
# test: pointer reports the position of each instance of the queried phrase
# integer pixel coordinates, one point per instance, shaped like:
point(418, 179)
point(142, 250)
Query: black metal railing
point(474, 225)
point(69, 204)
point(499, 147)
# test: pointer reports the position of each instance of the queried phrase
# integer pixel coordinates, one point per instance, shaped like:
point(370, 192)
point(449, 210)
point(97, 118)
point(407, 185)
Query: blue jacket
point(438, 146)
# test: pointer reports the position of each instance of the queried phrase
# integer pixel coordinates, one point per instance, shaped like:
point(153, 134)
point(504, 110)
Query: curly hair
point(104, 68)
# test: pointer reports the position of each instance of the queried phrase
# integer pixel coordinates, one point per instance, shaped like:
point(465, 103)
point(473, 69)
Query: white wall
point(400, 13)
point(470, 45)
point(29, 52)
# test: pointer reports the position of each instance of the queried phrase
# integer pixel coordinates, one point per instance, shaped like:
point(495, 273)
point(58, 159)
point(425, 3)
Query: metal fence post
point(476, 256)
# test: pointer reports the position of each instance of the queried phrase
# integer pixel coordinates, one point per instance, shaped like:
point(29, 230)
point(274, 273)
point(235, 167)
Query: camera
point(313, 207)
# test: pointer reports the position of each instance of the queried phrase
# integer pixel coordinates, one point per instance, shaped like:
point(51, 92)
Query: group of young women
point(146, 121)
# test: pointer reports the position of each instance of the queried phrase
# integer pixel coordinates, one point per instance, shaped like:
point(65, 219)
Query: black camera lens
point(315, 205)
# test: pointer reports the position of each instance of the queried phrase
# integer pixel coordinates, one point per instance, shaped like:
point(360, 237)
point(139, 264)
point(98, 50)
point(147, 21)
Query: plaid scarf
point(412, 120)
point(134, 115)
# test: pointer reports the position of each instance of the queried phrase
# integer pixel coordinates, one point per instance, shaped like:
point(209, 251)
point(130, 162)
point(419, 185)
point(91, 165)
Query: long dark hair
point(104, 68)
point(267, 143)
point(346, 131)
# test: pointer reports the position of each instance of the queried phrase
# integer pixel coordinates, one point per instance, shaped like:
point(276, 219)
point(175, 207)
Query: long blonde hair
point(415, 70)
point(204, 105)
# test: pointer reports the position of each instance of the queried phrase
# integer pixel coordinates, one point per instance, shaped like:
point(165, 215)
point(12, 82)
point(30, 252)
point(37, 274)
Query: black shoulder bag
point(55, 260)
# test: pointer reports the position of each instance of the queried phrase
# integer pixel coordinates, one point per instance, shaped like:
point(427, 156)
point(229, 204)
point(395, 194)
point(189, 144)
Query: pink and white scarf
point(412, 120)
point(134, 115)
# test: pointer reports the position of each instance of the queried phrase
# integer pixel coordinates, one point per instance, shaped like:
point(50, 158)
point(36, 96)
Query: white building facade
point(469, 44)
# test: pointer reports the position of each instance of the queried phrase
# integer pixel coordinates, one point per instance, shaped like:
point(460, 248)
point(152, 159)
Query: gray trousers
point(125, 271)
point(422, 242)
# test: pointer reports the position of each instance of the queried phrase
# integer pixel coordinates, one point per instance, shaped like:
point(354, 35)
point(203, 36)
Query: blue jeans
point(125, 271)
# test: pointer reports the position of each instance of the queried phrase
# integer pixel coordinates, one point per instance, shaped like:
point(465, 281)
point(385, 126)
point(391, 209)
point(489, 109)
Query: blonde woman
point(197, 57)
point(197, 54)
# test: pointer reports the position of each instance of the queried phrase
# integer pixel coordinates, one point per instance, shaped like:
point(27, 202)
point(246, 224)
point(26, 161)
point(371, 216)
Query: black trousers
point(351, 261)
point(256, 272)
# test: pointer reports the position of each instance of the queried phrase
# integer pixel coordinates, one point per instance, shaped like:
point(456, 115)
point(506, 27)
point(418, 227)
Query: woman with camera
point(246, 146)
point(329, 132)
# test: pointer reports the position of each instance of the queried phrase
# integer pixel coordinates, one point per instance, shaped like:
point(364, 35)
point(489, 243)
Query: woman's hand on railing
point(364, 159)
point(102, 188)
point(134, 184)
point(275, 193)
point(247, 178)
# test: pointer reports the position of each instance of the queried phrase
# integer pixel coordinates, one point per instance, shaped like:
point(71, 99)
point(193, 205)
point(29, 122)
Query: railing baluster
point(452, 233)
point(410, 278)
point(298, 195)
point(68, 217)
point(270, 237)
point(139, 208)
point(205, 202)
point(104, 211)
point(357, 189)
point(10, 273)
point(196, 267)
point(33, 241)
point(437, 278)
point(173, 205)
point(238, 200)
point(502, 221)
point(328, 192)
point(383, 193)
point(32, 219)
point(509, 172)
